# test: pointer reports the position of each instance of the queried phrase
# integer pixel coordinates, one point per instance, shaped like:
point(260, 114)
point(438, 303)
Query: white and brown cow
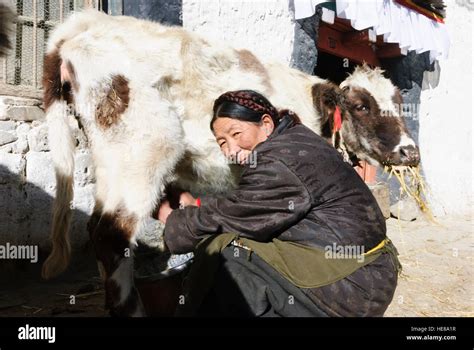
point(144, 93)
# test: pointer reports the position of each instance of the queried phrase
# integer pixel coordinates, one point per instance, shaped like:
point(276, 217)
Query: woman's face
point(237, 138)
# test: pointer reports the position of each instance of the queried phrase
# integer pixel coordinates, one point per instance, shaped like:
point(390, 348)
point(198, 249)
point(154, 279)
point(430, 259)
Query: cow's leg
point(112, 243)
point(130, 200)
point(122, 204)
point(110, 232)
point(132, 170)
point(126, 193)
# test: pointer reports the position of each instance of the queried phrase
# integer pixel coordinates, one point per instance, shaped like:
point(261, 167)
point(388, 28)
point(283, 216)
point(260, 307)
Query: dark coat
point(302, 191)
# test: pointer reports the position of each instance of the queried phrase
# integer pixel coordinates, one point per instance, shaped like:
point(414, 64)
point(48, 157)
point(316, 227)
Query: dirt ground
point(438, 267)
point(437, 277)
point(26, 294)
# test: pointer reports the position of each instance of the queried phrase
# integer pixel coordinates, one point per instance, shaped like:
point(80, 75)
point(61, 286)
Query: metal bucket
point(159, 275)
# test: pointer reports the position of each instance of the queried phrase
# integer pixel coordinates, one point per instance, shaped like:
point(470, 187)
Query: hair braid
point(248, 105)
point(248, 99)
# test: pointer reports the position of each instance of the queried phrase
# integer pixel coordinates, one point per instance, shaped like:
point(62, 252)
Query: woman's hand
point(164, 211)
point(186, 199)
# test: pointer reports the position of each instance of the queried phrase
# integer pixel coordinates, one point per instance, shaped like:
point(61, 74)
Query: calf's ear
point(326, 96)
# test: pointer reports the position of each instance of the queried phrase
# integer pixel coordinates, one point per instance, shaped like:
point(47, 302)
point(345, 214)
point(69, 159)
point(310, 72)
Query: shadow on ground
point(25, 220)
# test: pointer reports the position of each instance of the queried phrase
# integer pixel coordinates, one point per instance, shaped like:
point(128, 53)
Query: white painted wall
point(265, 27)
point(446, 122)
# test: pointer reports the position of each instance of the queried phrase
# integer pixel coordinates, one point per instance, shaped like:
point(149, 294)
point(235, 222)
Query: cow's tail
point(6, 22)
point(62, 145)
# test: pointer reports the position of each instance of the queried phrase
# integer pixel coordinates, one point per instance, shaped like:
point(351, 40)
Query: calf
point(144, 94)
point(374, 128)
point(371, 126)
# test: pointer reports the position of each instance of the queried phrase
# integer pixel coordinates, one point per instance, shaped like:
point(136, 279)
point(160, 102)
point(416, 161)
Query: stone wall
point(27, 180)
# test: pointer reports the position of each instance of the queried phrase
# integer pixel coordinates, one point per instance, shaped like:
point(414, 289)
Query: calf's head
point(374, 128)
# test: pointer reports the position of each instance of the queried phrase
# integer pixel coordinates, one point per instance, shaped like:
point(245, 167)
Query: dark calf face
point(374, 130)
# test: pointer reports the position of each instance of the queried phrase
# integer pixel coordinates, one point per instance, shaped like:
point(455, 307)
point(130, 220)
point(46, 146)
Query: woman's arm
point(270, 198)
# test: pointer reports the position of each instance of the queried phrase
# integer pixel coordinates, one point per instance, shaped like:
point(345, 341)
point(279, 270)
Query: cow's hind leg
point(111, 239)
point(113, 235)
point(131, 177)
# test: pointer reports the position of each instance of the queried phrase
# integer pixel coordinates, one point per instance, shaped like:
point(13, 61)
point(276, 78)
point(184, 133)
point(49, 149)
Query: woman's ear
point(267, 123)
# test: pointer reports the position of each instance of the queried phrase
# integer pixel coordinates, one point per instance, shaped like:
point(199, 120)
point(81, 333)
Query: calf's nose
point(409, 155)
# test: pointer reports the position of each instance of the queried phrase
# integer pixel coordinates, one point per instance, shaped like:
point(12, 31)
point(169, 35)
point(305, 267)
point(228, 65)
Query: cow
point(6, 21)
point(143, 92)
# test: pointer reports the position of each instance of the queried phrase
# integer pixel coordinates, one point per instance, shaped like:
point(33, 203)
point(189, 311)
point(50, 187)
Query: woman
point(301, 235)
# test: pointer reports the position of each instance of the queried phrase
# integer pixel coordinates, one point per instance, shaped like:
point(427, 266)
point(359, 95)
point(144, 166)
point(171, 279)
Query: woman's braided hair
point(247, 105)
point(249, 99)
